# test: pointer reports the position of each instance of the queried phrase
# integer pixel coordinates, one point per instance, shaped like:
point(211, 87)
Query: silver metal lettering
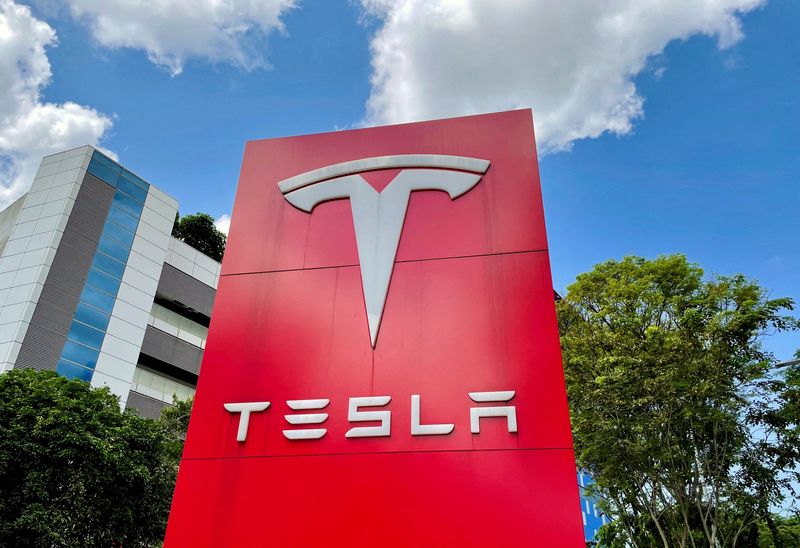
point(508, 411)
point(418, 429)
point(310, 418)
point(244, 410)
point(354, 415)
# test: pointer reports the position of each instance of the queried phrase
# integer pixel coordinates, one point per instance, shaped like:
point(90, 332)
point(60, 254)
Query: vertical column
point(101, 231)
point(119, 353)
point(28, 255)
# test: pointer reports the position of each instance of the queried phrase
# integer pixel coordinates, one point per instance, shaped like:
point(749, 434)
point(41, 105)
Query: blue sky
point(675, 132)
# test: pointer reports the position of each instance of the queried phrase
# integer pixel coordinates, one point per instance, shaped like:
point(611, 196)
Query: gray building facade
point(94, 286)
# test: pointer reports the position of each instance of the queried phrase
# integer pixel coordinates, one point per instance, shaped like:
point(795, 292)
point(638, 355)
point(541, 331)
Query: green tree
point(198, 231)
point(674, 410)
point(174, 420)
point(75, 470)
point(788, 530)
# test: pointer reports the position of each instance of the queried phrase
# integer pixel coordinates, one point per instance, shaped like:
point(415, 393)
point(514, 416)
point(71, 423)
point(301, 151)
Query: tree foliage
point(75, 470)
point(174, 420)
point(788, 533)
point(688, 435)
point(198, 231)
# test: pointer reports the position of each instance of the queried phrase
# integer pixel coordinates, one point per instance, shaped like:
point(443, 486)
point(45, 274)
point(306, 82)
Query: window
point(117, 233)
point(91, 316)
point(103, 282)
point(132, 189)
point(127, 204)
point(73, 371)
point(135, 179)
point(178, 326)
point(98, 299)
point(159, 386)
point(108, 162)
point(123, 219)
point(113, 249)
point(79, 354)
point(86, 335)
point(106, 264)
point(103, 171)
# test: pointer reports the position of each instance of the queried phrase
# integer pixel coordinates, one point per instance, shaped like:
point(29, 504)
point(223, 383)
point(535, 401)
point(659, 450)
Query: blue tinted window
point(102, 281)
point(97, 299)
point(132, 189)
point(136, 179)
point(105, 160)
point(85, 335)
point(91, 316)
point(82, 355)
point(118, 233)
point(103, 172)
point(72, 371)
point(123, 219)
point(112, 248)
point(106, 264)
point(128, 204)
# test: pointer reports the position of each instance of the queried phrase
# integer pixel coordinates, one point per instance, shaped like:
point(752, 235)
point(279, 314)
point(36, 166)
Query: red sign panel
point(383, 364)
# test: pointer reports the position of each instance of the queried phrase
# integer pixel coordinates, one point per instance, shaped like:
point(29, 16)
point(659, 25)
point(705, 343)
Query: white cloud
point(173, 31)
point(223, 223)
point(573, 61)
point(30, 128)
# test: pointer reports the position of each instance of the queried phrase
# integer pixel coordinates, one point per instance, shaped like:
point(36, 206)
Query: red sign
point(383, 364)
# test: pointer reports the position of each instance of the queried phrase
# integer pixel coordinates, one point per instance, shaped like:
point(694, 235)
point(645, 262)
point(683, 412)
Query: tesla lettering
point(384, 417)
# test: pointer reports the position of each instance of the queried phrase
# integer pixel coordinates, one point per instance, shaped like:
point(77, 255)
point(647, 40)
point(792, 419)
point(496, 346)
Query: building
point(593, 516)
point(94, 286)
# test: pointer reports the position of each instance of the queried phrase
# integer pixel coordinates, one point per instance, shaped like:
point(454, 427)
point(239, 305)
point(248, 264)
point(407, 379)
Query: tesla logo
point(378, 216)
point(384, 416)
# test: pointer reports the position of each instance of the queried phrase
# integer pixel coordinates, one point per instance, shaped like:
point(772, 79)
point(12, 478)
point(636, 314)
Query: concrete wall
point(28, 255)
point(8, 218)
point(197, 265)
point(52, 318)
